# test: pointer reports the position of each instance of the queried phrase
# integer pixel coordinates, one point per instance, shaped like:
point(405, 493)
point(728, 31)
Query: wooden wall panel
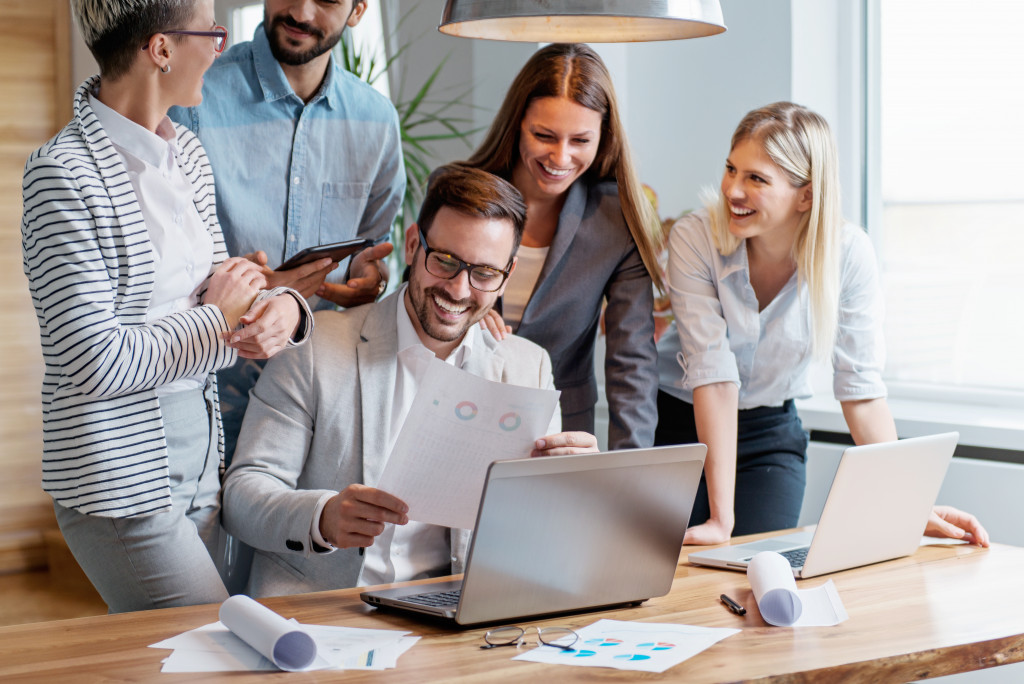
point(35, 81)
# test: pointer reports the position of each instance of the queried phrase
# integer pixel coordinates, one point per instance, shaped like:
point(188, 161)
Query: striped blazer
point(90, 268)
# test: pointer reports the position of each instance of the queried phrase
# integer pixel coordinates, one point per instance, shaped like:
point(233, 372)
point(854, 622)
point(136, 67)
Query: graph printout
point(643, 646)
point(458, 425)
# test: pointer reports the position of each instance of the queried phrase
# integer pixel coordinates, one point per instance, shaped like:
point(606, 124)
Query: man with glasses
point(321, 421)
point(304, 154)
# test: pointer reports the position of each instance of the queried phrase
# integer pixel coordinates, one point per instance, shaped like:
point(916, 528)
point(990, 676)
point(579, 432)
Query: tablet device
point(335, 250)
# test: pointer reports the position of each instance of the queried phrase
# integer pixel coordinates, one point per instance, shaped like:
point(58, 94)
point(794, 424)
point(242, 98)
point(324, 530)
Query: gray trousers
point(161, 560)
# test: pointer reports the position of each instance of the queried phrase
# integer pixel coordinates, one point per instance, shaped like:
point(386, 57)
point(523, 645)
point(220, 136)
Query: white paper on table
point(215, 648)
point(642, 646)
point(781, 604)
point(458, 425)
point(384, 657)
point(283, 642)
point(352, 648)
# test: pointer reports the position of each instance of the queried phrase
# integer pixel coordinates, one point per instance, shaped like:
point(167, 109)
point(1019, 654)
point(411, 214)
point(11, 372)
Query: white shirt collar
point(150, 147)
point(407, 336)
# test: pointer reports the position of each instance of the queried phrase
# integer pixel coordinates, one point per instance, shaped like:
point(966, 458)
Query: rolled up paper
point(771, 581)
point(280, 641)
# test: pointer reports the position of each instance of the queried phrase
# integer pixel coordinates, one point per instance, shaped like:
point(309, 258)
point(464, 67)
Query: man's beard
point(421, 299)
point(285, 55)
point(422, 303)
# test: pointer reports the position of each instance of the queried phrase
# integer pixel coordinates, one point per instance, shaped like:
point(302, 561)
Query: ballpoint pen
point(733, 606)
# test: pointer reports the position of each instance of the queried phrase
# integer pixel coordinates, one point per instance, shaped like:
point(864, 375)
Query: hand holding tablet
point(335, 250)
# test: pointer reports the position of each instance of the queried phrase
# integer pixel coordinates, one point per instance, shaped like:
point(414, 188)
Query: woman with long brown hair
point(591, 237)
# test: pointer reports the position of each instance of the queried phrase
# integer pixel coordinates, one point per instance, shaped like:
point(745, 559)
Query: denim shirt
point(721, 336)
point(291, 175)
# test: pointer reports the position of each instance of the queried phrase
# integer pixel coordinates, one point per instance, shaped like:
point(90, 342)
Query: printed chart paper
point(641, 646)
point(458, 425)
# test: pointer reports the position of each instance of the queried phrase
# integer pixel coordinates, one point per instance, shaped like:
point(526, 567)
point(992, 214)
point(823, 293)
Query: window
point(950, 233)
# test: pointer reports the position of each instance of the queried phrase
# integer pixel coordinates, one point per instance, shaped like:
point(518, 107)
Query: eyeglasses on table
point(514, 635)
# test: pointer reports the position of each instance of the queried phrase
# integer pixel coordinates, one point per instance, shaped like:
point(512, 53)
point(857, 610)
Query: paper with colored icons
point(458, 425)
point(642, 646)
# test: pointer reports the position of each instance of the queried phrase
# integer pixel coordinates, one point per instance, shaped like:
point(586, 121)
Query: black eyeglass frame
point(515, 635)
point(216, 32)
point(463, 266)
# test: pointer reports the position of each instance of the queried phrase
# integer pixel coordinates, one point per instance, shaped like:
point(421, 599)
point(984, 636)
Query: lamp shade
point(581, 21)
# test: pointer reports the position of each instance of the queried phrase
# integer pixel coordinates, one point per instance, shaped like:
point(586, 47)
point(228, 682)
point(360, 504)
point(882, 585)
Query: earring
point(165, 69)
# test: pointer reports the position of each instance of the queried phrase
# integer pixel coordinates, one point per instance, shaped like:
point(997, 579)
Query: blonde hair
point(576, 72)
point(800, 143)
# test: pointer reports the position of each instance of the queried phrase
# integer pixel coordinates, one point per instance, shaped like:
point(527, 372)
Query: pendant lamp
point(581, 21)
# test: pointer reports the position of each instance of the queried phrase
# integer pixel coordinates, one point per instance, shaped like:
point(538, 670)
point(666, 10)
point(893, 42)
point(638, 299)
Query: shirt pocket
point(341, 210)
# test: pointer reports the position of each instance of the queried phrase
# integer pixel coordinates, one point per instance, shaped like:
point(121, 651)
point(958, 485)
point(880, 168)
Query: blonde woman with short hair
point(138, 305)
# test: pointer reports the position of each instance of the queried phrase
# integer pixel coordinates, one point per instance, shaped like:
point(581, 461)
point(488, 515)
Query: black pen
point(733, 606)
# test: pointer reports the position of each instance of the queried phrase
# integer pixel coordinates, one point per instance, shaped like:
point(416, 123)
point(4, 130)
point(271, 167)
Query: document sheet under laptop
point(876, 510)
point(568, 533)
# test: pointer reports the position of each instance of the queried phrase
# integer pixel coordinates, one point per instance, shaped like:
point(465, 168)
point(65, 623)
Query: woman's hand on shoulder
point(493, 321)
point(269, 324)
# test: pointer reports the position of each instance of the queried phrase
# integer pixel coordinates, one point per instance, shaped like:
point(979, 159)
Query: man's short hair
point(116, 30)
point(476, 193)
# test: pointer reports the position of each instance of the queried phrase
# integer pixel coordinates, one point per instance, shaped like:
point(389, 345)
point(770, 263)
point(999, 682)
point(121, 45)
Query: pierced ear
point(158, 51)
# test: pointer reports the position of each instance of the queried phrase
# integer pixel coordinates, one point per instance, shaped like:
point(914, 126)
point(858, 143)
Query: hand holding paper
point(458, 425)
point(356, 515)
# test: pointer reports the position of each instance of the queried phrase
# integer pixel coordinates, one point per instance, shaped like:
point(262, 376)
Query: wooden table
point(946, 609)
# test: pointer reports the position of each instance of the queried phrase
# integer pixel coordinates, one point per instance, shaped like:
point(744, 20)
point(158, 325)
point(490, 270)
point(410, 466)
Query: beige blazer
point(316, 423)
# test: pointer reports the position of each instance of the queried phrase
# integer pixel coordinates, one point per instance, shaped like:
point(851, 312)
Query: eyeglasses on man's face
point(514, 635)
point(218, 33)
point(446, 266)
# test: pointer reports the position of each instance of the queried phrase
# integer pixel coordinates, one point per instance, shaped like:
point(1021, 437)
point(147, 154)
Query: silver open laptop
point(567, 533)
point(876, 510)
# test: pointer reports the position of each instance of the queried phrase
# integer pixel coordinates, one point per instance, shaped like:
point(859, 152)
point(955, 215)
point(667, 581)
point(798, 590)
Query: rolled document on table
point(771, 581)
point(282, 642)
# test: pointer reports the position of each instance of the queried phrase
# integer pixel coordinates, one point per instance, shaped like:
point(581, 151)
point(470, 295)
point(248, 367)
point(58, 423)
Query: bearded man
point(304, 154)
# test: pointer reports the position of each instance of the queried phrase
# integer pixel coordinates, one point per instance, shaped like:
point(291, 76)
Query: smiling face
point(443, 310)
point(191, 57)
point(762, 202)
point(558, 141)
point(299, 31)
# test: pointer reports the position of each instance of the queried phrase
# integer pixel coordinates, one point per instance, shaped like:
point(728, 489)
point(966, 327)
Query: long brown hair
point(576, 72)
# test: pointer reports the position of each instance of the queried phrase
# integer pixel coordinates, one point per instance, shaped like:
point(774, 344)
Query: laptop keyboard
point(796, 557)
point(437, 598)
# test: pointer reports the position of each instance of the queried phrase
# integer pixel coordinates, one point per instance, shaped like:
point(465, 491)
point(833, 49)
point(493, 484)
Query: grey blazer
point(593, 257)
point(317, 422)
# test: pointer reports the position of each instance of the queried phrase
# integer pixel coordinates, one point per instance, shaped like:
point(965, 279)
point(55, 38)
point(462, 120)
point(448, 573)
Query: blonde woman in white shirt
point(765, 278)
point(138, 305)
